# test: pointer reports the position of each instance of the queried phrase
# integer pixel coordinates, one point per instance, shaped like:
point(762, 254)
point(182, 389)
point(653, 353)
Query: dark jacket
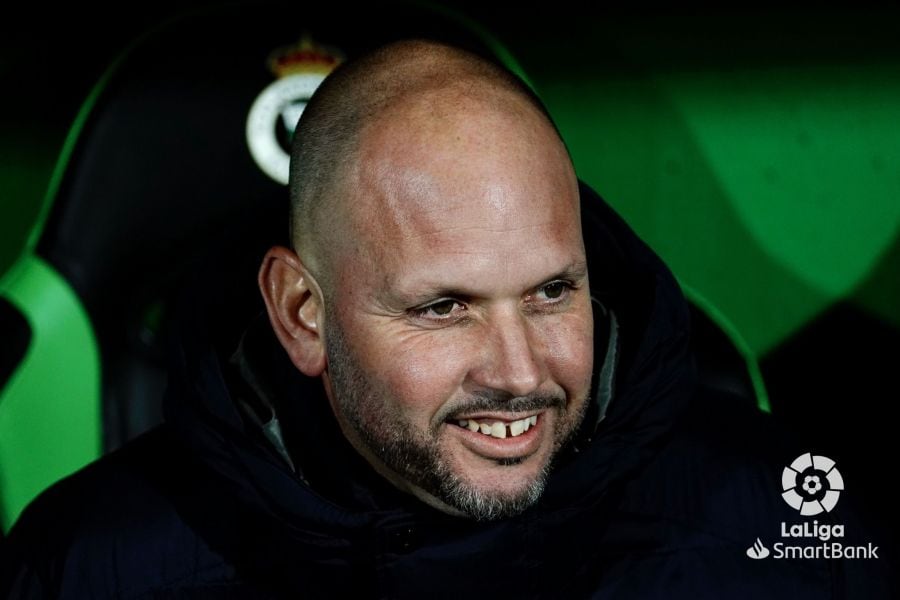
point(660, 498)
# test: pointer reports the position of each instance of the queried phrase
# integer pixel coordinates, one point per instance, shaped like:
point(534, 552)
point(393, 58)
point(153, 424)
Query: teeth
point(499, 429)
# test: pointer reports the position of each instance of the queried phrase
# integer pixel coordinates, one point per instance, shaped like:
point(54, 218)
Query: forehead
point(463, 188)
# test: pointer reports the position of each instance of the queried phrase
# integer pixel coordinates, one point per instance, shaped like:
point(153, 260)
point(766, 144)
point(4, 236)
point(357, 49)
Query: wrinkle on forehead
point(414, 205)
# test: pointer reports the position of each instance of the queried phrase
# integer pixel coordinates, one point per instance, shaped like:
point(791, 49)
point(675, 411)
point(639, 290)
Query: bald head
point(408, 84)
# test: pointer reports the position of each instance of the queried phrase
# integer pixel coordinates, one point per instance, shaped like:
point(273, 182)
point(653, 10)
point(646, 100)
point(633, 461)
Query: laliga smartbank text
point(799, 535)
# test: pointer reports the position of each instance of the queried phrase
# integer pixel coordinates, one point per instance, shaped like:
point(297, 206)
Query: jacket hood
point(290, 522)
point(654, 370)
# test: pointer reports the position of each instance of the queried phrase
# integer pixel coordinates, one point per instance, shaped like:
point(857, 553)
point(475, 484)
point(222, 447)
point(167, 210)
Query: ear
point(294, 302)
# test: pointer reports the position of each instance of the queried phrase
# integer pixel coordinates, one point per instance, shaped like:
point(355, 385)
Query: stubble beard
point(415, 456)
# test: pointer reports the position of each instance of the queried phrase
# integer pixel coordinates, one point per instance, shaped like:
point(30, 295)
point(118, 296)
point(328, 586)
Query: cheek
point(569, 345)
point(420, 371)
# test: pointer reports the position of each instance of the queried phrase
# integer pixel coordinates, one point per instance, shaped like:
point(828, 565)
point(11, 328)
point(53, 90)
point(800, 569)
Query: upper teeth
point(499, 429)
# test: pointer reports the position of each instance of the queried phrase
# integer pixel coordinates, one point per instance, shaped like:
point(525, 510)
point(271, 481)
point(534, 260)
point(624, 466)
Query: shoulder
point(112, 529)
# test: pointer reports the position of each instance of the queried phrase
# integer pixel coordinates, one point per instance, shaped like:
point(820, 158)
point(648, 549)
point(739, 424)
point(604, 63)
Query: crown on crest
point(305, 56)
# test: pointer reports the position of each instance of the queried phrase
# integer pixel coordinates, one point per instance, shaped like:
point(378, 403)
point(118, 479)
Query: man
point(440, 285)
point(473, 379)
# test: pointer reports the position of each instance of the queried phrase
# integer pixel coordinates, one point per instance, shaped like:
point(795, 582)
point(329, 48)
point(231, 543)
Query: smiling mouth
point(498, 429)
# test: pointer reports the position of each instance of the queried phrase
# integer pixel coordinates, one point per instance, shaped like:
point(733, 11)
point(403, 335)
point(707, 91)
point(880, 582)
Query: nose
point(510, 359)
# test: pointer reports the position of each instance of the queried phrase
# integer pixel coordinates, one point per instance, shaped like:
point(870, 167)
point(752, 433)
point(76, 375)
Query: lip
point(487, 446)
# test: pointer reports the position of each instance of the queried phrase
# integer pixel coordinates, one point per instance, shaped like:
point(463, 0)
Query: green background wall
point(759, 153)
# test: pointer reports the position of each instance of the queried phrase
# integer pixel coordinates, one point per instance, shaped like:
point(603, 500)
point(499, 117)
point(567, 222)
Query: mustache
point(496, 401)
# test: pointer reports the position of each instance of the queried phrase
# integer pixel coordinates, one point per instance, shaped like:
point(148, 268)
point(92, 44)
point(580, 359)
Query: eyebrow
point(574, 272)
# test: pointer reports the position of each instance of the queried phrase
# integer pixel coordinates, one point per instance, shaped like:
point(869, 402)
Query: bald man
point(471, 379)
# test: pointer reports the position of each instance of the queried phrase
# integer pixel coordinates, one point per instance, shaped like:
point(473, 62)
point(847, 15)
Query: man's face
point(458, 323)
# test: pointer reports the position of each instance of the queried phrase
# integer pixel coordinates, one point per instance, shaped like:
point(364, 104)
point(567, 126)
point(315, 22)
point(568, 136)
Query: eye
point(555, 290)
point(442, 308)
point(438, 311)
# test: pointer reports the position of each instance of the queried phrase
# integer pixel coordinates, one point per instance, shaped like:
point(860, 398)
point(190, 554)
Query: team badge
point(300, 68)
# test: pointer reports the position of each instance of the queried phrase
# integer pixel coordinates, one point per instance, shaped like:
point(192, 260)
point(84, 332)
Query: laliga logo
point(811, 484)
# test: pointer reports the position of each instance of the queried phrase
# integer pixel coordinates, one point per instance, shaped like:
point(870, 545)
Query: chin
point(497, 488)
point(492, 504)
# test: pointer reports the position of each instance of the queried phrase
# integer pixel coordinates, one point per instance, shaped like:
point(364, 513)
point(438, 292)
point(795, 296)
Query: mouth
point(500, 437)
point(498, 428)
